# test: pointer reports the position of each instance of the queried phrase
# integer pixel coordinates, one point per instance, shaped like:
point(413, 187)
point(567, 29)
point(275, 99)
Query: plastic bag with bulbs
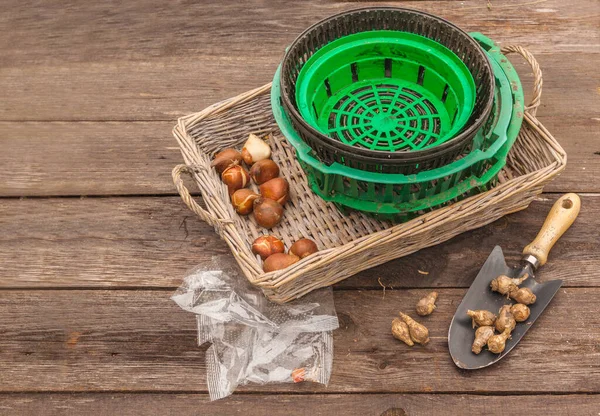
point(253, 340)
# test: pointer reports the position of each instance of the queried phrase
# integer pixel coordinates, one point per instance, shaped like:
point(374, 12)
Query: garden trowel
point(461, 333)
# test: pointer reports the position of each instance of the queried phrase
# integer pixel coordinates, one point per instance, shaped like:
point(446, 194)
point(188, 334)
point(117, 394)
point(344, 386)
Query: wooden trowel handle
point(561, 216)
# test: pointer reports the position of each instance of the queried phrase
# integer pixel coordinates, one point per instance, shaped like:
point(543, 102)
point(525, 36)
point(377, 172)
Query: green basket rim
point(303, 150)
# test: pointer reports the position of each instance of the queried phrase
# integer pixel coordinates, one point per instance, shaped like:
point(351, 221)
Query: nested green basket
point(386, 90)
point(399, 196)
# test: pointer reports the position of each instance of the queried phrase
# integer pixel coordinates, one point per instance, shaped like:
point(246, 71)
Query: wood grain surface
point(90, 92)
point(185, 404)
point(167, 88)
point(143, 30)
point(151, 242)
point(141, 341)
point(136, 158)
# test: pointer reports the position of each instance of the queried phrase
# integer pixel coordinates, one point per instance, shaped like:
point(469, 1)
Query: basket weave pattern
point(355, 242)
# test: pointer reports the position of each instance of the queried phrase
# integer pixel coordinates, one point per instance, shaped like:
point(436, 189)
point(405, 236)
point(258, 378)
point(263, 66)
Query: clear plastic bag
point(252, 339)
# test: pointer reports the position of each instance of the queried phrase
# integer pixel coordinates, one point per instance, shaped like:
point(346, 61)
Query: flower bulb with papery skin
point(482, 317)
point(419, 333)
point(426, 305)
point(482, 335)
point(400, 331)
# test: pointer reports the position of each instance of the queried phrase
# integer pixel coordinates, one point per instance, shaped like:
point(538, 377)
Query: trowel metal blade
point(479, 296)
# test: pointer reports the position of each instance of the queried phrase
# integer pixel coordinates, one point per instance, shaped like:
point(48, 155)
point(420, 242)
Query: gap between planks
point(198, 194)
point(150, 243)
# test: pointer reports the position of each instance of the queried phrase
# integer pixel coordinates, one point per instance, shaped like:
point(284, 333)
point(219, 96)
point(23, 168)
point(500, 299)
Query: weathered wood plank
point(88, 158)
point(151, 242)
point(60, 31)
point(105, 240)
point(123, 158)
point(168, 88)
point(110, 404)
point(141, 341)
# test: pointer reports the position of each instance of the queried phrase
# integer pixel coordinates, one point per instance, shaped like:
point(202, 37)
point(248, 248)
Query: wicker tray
point(348, 244)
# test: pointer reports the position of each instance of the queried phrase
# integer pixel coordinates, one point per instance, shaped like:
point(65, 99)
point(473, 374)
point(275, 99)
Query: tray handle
point(537, 75)
point(187, 197)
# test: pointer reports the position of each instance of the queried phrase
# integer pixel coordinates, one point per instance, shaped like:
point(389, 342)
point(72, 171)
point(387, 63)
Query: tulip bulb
point(276, 189)
point(255, 149)
point(235, 177)
point(279, 261)
point(303, 248)
point(267, 245)
point(243, 201)
point(263, 171)
point(267, 212)
point(226, 158)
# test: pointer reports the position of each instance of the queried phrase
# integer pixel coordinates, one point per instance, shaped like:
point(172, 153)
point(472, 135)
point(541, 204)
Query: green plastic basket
point(398, 196)
point(386, 90)
point(422, 98)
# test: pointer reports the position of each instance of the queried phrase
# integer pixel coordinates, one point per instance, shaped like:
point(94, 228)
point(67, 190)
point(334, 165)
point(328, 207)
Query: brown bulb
point(505, 320)
point(243, 201)
point(520, 312)
point(504, 284)
point(276, 189)
point(279, 261)
point(303, 248)
point(523, 295)
point(497, 343)
point(226, 158)
point(263, 171)
point(400, 331)
point(267, 245)
point(235, 177)
point(418, 333)
point(267, 212)
point(481, 317)
point(482, 335)
point(427, 304)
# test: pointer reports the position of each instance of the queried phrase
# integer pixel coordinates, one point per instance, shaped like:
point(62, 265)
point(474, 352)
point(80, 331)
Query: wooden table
point(94, 238)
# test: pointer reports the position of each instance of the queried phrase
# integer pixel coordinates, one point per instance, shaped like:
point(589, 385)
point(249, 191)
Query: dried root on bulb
point(426, 305)
point(418, 333)
point(400, 331)
point(482, 317)
point(505, 320)
point(504, 284)
point(482, 335)
point(523, 295)
point(520, 312)
point(497, 343)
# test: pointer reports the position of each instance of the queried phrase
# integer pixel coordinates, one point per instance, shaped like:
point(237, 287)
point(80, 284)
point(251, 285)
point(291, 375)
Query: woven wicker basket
point(348, 244)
